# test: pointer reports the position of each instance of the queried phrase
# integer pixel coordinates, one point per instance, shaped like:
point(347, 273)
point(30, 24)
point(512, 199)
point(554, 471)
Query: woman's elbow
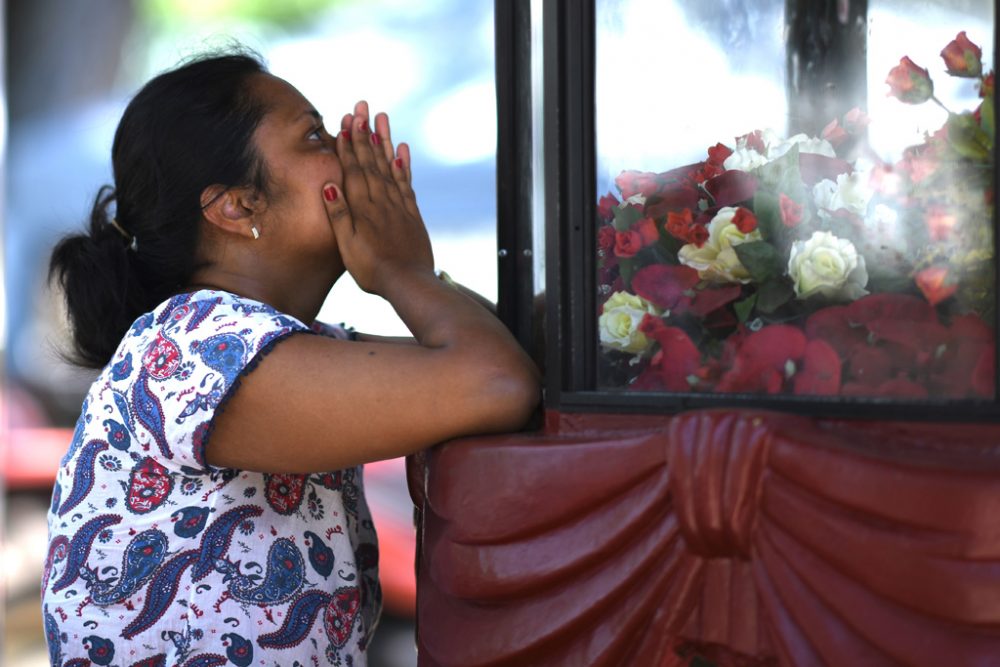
point(513, 394)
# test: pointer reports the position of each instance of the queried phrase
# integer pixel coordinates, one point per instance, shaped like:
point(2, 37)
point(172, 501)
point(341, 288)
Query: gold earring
point(253, 230)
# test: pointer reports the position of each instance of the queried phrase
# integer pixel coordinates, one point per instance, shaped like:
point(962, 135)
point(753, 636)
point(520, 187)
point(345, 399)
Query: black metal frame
point(512, 28)
point(570, 186)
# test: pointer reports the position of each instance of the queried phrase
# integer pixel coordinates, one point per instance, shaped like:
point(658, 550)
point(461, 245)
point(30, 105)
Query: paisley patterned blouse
point(158, 559)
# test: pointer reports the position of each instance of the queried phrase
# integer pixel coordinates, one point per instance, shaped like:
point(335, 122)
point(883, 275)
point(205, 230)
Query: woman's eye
point(319, 134)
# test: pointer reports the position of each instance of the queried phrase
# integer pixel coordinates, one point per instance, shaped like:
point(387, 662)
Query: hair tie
point(125, 235)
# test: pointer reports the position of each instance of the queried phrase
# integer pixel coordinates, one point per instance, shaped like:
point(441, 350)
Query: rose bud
point(909, 83)
point(962, 57)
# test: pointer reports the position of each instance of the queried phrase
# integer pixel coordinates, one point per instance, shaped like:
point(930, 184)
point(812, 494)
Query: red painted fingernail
point(346, 134)
point(330, 193)
point(399, 162)
point(364, 126)
point(376, 139)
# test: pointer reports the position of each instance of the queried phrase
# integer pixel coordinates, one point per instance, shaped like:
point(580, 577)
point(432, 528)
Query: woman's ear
point(230, 210)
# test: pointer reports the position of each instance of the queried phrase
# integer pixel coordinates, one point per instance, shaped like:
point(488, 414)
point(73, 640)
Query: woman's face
point(300, 157)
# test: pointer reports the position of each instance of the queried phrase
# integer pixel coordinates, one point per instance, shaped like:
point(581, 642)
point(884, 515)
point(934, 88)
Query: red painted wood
point(749, 538)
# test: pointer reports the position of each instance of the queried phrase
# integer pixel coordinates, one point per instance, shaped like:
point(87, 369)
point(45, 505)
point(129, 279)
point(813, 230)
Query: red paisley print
point(149, 485)
point(161, 358)
point(338, 620)
point(284, 492)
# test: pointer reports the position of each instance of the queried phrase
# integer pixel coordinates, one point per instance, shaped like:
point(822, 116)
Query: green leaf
point(782, 175)
point(768, 212)
point(988, 119)
point(625, 217)
point(745, 307)
point(773, 295)
point(627, 268)
point(967, 137)
point(760, 259)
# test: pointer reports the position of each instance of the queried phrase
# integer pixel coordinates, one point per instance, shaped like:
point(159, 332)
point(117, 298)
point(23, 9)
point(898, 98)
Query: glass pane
point(796, 197)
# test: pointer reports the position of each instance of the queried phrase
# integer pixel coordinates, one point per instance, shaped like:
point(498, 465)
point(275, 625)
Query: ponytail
point(97, 273)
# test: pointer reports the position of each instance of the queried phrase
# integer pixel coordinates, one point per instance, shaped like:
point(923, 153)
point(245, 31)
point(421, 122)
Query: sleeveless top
point(156, 558)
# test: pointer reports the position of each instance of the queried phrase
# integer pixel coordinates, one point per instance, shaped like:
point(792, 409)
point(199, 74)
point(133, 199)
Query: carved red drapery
point(747, 537)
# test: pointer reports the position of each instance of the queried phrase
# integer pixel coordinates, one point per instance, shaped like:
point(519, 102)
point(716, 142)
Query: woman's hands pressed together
point(378, 226)
point(347, 402)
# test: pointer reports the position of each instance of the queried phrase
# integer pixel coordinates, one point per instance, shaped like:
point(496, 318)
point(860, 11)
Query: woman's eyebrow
point(311, 113)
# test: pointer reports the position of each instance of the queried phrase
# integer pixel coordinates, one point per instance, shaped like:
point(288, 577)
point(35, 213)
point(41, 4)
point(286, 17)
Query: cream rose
point(778, 147)
point(717, 261)
point(619, 323)
point(827, 265)
point(850, 192)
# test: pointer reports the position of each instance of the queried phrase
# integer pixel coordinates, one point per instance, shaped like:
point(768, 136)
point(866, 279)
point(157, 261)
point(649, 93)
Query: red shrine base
point(746, 538)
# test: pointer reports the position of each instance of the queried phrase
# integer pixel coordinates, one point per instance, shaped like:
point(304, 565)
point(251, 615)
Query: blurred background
point(70, 69)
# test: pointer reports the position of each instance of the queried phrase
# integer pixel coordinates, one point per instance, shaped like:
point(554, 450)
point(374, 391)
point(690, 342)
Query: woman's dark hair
point(187, 129)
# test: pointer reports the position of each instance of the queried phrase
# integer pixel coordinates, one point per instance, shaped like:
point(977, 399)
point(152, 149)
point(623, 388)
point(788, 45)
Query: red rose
point(606, 207)
point(627, 244)
point(754, 140)
point(856, 120)
point(834, 133)
point(909, 83)
point(962, 57)
point(732, 187)
point(745, 220)
point(707, 171)
point(606, 238)
point(698, 235)
point(834, 325)
point(718, 153)
point(934, 284)
point(664, 285)
point(986, 87)
point(678, 356)
point(761, 361)
point(814, 168)
point(647, 231)
point(820, 373)
point(678, 224)
point(791, 210)
point(940, 223)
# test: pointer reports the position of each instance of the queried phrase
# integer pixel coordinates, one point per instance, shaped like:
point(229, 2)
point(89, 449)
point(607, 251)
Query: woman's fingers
point(383, 131)
point(337, 210)
point(355, 180)
point(403, 177)
point(364, 151)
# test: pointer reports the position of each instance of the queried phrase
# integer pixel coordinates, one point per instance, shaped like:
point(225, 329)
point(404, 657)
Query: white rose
point(806, 144)
point(851, 192)
point(827, 265)
point(717, 261)
point(744, 159)
point(619, 323)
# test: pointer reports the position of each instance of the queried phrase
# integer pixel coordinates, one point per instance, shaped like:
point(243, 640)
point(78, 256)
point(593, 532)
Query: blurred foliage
point(175, 14)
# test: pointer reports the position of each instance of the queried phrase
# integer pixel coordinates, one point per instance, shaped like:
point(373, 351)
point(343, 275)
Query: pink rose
point(962, 57)
point(909, 83)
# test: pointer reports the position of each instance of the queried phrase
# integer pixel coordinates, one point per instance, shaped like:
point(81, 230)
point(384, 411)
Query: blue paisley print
point(156, 558)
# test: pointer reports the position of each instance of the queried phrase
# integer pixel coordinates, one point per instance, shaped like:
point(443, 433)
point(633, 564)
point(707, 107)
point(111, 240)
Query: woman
point(210, 507)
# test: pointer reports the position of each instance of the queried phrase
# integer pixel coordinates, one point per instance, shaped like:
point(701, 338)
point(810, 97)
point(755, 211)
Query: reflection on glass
point(796, 197)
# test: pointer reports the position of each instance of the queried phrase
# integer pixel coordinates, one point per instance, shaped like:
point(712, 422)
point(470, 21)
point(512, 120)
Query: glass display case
point(777, 202)
point(796, 203)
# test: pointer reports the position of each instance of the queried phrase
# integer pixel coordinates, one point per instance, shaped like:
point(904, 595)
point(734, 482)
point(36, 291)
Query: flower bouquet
point(808, 265)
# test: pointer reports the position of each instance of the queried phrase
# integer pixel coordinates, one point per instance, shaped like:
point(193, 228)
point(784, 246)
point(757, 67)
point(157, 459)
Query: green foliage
point(773, 295)
point(744, 307)
point(761, 259)
point(988, 119)
point(967, 138)
point(286, 13)
point(625, 217)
